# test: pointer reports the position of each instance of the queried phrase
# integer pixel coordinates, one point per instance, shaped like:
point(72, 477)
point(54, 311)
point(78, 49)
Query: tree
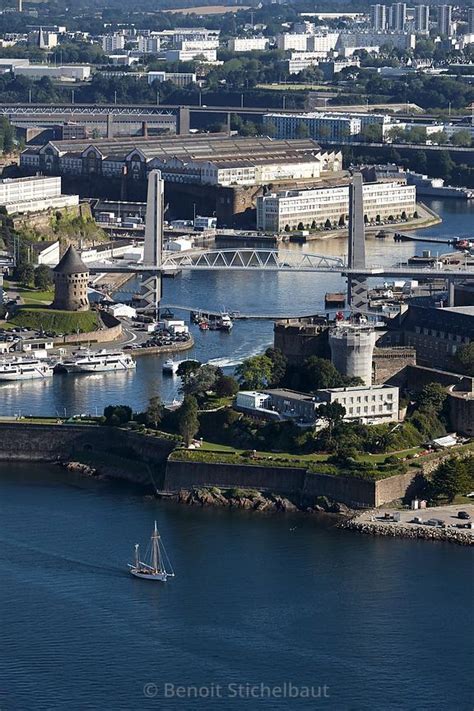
point(453, 477)
point(462, 138)
point(25, 273)
point(465, 358)
point(226, 386)
point(201, 381)
point(255, 372)
point(431, 398)
point(279, 365)
point(43, 277)
point(188, 420)
point(117, 415)
point(319, 373)
point(372, 133)
point(186, 369)
point(333, 413)
point(154, 411)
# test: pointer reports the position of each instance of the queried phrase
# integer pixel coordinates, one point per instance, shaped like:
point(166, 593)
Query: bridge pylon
point(153, 247)
point(357, 292)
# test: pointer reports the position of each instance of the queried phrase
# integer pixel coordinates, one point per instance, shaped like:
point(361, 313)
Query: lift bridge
point(155, 261)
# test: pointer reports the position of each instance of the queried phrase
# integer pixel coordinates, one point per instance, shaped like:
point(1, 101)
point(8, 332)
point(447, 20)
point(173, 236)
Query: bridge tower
point(357, 296)
point(153, 247)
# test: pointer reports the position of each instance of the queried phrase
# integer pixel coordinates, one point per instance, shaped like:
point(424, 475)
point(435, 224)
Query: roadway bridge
point(280, 261)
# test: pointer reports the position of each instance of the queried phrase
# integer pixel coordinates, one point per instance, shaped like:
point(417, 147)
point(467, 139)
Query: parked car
point(436, 522)
point(464, 515)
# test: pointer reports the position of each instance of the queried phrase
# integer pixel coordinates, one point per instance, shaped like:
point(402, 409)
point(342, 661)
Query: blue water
point(285, 293)
point(384, 624)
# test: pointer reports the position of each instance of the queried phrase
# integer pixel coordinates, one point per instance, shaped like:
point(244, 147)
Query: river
point(288, 293)
point(257, 599)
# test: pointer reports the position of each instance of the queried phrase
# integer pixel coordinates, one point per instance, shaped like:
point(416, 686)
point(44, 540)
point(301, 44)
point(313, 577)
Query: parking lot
point(446, 515)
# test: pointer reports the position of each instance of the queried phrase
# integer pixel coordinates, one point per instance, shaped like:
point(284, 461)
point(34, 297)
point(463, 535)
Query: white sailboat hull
point(162, 577)
point(99, 367)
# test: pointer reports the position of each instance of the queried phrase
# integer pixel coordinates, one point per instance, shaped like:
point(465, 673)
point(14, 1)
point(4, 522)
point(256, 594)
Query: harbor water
point(258, 601)
point(283, 293)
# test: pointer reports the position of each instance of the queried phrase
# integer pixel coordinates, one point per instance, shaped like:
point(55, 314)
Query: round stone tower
point(352, 348)
point(70, 283)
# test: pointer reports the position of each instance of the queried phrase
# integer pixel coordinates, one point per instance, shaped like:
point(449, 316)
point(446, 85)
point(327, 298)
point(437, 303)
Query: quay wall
point(143, 459)
point(117, 453)
point(357, 493)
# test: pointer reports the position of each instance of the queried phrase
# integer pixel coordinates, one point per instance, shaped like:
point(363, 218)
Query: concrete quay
point(373, 522)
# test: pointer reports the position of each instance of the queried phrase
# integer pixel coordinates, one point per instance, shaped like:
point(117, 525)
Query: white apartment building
point(323, 125)
point(247, 44)
point(368, 404)
point(149, 44)
point(70, 72)
point(378, 17)
point(112, 43)
point(178, 78)
point(198, 45)
point(372, 40)
point(445, 20)
point(292, 209)
point(298, 42)
point(187, 55)
point(398, 16)
point(302, 60)
point(33, 194)
point(422, 19)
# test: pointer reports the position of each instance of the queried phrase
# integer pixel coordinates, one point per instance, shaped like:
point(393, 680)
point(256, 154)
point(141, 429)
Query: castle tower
point(70, 283)
point(352, 348)
point(356, 285)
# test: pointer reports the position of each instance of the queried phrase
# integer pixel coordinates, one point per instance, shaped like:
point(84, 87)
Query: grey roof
point(71, 263)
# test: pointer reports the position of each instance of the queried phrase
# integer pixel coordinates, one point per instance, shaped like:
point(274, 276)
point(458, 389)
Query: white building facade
point(311, 209)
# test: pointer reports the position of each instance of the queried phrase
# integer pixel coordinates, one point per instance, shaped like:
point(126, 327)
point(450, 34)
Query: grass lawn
point(30, 296)
point(53, 321)
point(296, 87)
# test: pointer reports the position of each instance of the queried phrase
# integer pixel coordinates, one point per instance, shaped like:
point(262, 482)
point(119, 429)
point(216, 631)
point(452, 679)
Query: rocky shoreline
point(399, 530)
point(253, 500)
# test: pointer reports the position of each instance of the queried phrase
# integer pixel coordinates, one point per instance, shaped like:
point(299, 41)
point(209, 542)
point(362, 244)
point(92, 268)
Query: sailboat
point(155, 569)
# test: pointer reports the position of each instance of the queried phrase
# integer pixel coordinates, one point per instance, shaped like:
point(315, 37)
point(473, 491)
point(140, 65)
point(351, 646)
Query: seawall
point(117, 453)
point(356, 493)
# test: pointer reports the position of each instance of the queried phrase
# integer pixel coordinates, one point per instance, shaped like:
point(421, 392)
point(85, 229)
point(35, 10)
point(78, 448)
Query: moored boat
point(24, 369)
point(102, 361)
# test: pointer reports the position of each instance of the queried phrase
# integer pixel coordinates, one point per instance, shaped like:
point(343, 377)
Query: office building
point(445, 23)
point(320, 207)
point(71, 72)
point(149, 44)
point(188, 55)
point(378, 17)
point(422, 19)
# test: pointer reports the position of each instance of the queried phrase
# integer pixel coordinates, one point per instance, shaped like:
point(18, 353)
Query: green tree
point(43, 277)
point(462, 138)
point(372, 133)
point(226, 386)
point(25, 273)
point(302, 130)
point(333, 413)
point(431, 398)
point(117, 415)
point(453, 477)
point(186, 369)
point(318, 373)
point(279, 365)
point(154, 411)
point(188, 420)
point(255, 372)
point(465, 358)
point(201, 381)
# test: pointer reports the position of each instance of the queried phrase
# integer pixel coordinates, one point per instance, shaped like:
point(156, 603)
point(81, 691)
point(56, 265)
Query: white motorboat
point(102, 361)
point(156, 568)
point(225, 322)
point(171, 366)
point(24, 369)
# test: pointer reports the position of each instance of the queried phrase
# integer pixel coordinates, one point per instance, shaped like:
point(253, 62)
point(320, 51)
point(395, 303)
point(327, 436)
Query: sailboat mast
point(137, 555)
point(155, 550)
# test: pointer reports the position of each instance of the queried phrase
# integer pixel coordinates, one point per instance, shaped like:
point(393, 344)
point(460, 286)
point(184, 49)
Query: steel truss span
point(251, 259)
